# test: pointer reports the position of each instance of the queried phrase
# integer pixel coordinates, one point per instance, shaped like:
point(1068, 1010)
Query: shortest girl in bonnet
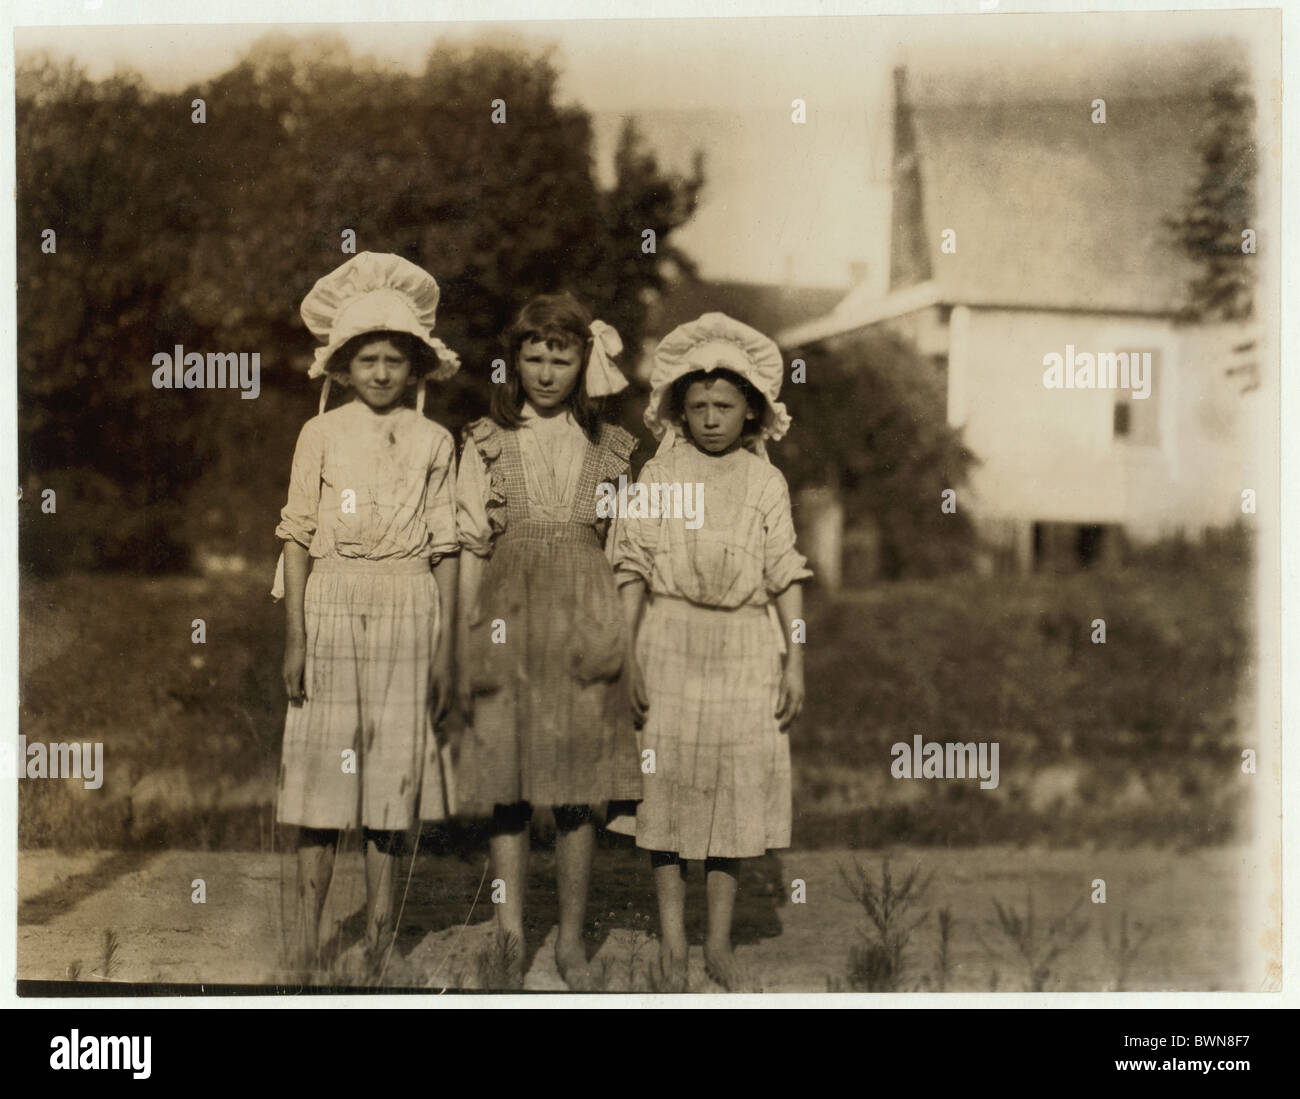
point(367, 666)
point(713, 678)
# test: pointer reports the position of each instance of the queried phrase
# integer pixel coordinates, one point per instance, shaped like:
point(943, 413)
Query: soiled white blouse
point(743, 550)
point(401, 470)
point(551, 449)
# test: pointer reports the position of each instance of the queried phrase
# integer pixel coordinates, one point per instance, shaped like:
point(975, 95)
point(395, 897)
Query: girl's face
point(379, 373)
point(549, 372)
point(716, 412)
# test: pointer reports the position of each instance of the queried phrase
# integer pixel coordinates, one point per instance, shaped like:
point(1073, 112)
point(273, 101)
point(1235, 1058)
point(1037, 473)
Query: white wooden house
point(1024, 230)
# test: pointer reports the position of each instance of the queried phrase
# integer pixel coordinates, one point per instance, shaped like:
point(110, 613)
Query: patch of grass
point(637, 971)
point(192, 733)
point(335, 967)
point(1011, 660)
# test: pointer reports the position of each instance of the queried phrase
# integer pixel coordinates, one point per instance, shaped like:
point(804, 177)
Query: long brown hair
point(560, 320)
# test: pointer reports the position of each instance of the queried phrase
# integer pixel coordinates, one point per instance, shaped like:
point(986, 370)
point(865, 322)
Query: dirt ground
point(1180, 912)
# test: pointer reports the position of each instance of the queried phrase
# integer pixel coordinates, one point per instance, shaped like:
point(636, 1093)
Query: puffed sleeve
point(473, 531)
point(299, 515)
point(632, 542)
point(783, 565)
point(616, 449)
point(441, 505)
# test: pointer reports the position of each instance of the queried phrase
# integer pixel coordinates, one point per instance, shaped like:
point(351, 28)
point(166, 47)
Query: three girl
point(544, 644)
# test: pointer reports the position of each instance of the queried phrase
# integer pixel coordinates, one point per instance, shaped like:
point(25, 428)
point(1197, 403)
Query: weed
point(1035, 947)
point(110, 962)
point(602, 971)
point(636, 944)
point(639, 977)
point(944, 966)
point(1126, 949)
point(880, 965)
point(500, 963)
point(872, 968)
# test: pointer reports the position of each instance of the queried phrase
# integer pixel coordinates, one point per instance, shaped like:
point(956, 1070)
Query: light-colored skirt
point(361, 749)
point(721, 781)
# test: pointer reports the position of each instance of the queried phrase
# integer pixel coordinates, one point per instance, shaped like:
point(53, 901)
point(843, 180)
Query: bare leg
point(670, 886)
point(722, 880)
point(316, 848)
point(575, 843)
point(383, 853)
point(508, 845)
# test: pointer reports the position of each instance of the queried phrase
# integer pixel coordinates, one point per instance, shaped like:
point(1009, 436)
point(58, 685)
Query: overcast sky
point(784, 202)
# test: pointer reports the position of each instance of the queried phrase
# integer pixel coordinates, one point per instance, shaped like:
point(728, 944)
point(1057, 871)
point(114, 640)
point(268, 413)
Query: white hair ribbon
point(603, 377)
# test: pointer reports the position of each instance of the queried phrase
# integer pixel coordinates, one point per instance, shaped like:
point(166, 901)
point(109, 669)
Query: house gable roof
point(1052, 210)
point(766, 307)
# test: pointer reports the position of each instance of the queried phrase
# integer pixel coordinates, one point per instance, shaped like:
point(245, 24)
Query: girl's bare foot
point(720, 964)
point(388, 967)
point(513, 976)
point(673, 970)
point(571, 961)
point(379, 948)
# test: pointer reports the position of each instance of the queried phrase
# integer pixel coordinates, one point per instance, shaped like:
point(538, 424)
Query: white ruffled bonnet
point(708, 343)
point(375, 292)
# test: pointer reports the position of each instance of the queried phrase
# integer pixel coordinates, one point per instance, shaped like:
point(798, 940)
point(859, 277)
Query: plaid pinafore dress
point(547, 646)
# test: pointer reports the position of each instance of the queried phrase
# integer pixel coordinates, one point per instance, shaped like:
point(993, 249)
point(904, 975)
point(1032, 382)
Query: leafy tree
point(1220, 206)
point(642, 198)
point(416, 165)
point(209, 235)
point(871, 423)
point(93, 311)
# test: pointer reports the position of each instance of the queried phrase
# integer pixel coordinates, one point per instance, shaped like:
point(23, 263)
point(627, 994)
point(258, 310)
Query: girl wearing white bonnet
point(367, 668)
point(712, 678)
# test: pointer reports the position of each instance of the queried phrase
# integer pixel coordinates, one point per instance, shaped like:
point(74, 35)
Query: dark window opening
point(1067, 547)
point(1089, 542)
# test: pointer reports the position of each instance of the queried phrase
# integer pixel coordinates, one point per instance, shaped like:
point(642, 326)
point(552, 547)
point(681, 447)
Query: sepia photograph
point(674, 506)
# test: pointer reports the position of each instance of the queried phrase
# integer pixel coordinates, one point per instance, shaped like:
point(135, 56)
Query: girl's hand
point(295, 661)
point(440, 685)
point(636, 692)
point(789, 701)
point(465, 695)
